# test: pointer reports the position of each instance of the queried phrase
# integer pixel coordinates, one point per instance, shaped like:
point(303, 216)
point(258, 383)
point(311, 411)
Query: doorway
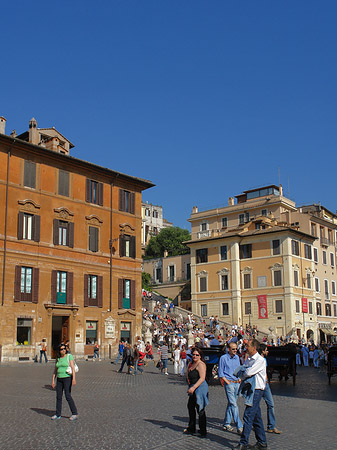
point(59, 333)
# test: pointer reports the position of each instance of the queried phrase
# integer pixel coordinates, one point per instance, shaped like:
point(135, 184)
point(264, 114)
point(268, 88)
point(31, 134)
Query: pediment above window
point(94, 220)
point(202, 273)
point(28, 205)
point(63, 213)
point(247, 269)
point(276, 266)
point(126, 228)
point(223, 271)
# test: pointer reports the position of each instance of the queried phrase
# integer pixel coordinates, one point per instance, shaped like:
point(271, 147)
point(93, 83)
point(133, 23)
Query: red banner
point(262, 303)
point(304, 305)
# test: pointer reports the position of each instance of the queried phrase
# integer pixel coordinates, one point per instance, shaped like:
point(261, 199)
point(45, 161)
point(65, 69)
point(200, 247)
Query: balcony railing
point(326, 242)
point(203, 234)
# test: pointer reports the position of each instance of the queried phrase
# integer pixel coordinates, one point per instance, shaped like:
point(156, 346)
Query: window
point(127, 246)
point(188, 271)
point(243, 218)
point(313, 229)
point(93, 290)
point(297, 306)
point(310, 308)
point(335, 310)
point(203, 310)
point(245, 251)
point(223, 252)
point(247, 281)
point(321, 232)
point(203, 284)
point(63, 183)
point(327, 309)
point(202, 255)
point(308, 281)
point(295, 247)
point(326, 289)
point(248, 308)
point(147, 212)
point(307, 251)
point(29, 178)
point(278, 306)
point(159, 275)
point(264, 212)
point(62, 287)
point(24, 332)
point(203, 226)
point(126, 294)
point(63, 233)
point(332, 259)
point(28, 226)
point(26, 284)
point(90, 332)
point(276, 247)
point(224, 282)
point(295, 278)
point(94, 192)
point(93, 239)
point(155, 214)
point(316, 284)
point(224, 224)
point(315, 255)
point(225, 309)
point(324, 257)
point(127, 201)
point(319, 309)
point(171, 273)
point(277, 278)
point(333, 287)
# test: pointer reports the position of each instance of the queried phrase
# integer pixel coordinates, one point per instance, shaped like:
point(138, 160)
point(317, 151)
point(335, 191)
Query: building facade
point(152, 222)
point(253, 261)
point(70, 248)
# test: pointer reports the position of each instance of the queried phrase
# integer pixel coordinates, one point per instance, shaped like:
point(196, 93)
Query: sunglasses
point(63, 348)
point(195, 354)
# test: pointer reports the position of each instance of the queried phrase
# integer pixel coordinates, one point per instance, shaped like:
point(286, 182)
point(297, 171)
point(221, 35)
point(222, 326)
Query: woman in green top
point(64, 382)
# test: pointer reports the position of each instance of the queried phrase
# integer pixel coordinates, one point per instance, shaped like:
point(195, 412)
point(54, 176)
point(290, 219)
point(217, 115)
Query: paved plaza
point(148, 412)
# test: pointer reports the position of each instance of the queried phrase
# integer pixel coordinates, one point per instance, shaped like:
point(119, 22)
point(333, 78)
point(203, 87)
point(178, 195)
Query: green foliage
point(170, 239)
point(146, 281)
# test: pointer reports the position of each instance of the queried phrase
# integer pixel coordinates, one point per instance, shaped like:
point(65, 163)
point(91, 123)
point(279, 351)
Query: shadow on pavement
point(48, 387)
point(45, 412)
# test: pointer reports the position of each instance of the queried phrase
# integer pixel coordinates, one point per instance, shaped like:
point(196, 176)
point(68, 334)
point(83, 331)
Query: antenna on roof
point(279, 175)
point(288, 187)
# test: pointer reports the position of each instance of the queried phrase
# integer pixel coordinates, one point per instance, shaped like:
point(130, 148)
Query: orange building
point(70, 248)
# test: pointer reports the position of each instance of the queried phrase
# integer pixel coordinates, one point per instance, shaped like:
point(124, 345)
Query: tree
point(169, 239)
point(146, 281)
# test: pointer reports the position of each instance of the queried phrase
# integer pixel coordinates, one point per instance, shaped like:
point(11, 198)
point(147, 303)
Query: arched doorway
point(310, 335)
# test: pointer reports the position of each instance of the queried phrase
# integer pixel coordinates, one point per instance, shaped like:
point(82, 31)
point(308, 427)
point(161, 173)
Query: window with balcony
point(202, 255)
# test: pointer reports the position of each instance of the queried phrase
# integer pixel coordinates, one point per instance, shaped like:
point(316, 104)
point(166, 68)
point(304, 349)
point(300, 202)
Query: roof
point(42, 151)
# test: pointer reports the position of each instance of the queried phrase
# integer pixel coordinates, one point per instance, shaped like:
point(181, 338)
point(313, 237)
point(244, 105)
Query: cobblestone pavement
point(148, 412)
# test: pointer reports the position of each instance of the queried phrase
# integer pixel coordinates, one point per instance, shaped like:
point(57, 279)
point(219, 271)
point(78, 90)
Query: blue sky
point(204, 98)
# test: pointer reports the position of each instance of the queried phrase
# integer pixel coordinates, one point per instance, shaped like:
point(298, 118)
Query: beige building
point(170, 277)
point(252, 262)
point(152, 222)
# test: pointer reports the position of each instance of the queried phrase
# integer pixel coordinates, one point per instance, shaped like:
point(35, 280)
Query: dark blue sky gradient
point(203, 98)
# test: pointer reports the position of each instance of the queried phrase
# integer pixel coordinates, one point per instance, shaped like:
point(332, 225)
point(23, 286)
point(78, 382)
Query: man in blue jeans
point(252, 415)
point(268, 397)
point(227, 365)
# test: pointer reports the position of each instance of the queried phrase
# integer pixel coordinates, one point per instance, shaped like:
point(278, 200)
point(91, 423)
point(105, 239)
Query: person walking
point(268, 397)
point(64, 382)
point(163, 352)
point(183, 357)
point(176, 357)
point(43, 351)
point(197, 392)
point(120, 351)
point(126, 356)
point(228, 363)
point(96, 351)
point(255, 370)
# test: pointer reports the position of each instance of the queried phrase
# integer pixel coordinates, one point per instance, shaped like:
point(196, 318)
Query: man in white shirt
point(252, 415)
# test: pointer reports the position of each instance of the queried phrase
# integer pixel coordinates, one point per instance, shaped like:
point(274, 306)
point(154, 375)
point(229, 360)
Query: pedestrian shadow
point(48, 387)
point(210, 426)
point(45, 412)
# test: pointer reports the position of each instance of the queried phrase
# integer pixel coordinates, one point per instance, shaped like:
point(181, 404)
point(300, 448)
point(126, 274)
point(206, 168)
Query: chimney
point(33, 133)
point(2, 125)
point(194, 209)
point(231, 201)
point(281, 190)
point(165, 253)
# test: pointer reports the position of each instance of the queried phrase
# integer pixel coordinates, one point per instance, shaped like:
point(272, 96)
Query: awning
point(328, 331)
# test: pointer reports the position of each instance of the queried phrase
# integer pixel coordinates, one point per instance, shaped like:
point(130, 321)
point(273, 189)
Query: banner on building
point(262, 303)
point(304, 305)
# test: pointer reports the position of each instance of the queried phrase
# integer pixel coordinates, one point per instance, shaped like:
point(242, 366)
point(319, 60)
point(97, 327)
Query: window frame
point(201, 255)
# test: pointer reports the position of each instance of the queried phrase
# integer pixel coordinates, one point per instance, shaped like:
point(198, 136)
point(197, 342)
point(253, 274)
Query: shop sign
point(110, 328)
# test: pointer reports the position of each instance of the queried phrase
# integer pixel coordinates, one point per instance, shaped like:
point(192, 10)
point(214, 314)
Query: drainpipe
point(110, 247)
point(5, 241)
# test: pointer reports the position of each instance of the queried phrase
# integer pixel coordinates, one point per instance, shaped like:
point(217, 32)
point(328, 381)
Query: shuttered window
point(62, 287)
point(26, 284)
point(64, 183)
point(93, 239)
point(126, 294)
point(127, 246)
point(29, 177)
point(94, 192)
point(93, 290)
point(127, 201)
point(63, 233)
point(28, 226)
